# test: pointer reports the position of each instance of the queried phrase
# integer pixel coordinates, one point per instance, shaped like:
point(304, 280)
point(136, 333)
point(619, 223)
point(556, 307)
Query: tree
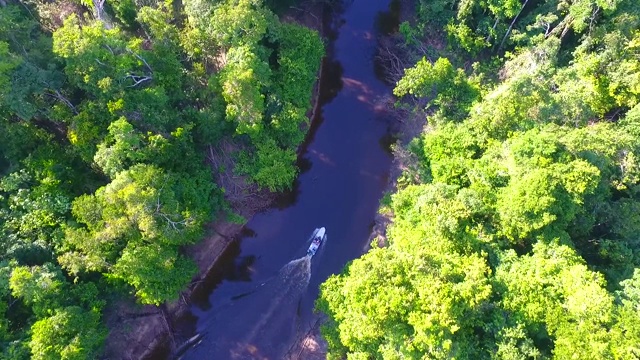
point(272, 166)
point(124, 148)
point(242, 80)
point(133, 227)
point(238, 23)
point(104, 123)
point(157, 273)
point(553, 290)
point(451, 90)
point(536, 180)
point(41, 287)
point(392, 304)
point(142, 202)
point(71, 333)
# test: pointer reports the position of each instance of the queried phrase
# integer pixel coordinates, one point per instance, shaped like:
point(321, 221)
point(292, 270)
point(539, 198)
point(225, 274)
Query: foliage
point(157, 273)
point(512, 231)
point(71, 333)
point(428, 307)
point(105, 120)
point(454, 93)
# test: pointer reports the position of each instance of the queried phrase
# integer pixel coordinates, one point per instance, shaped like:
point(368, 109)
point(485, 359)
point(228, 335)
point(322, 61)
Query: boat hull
point(317, 238)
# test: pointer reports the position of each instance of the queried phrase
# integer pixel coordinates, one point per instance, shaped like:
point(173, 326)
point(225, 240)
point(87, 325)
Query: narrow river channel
point(263, 298)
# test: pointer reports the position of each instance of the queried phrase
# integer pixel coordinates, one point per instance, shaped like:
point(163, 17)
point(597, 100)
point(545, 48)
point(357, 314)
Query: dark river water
point(262, 297)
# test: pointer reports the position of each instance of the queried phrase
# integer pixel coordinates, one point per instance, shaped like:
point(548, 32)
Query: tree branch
point(58, 96)
point(137, 79)
point(511, 25)
point(141, 59)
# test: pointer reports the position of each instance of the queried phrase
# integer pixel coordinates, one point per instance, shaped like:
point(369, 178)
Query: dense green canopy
point(107, 110)
point(515, 232)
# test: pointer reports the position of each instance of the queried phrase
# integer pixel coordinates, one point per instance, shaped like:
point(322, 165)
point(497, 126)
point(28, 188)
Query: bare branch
point(511, 25)
point(137, 79)
point(98, 6)
point(141, 59)
point(593, 18)
point(110, 49)
point(101, 63)
point(58, 96)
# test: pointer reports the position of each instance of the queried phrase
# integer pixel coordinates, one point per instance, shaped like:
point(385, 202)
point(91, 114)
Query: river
point(262, 298)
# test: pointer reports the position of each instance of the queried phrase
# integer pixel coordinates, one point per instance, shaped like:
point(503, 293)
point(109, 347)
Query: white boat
point(319, 235)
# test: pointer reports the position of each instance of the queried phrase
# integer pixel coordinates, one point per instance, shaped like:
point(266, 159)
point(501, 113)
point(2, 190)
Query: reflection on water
point(200, 297)
point(241, 271)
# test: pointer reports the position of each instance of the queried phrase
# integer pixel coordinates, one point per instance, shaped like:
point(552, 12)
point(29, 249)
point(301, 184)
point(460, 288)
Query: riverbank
point(404, 125)
point(140, 332)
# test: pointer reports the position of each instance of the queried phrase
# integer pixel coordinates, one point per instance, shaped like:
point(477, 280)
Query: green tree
point(70, 333)
point(242, 80)
point(451, 90)
point(157, 272)
point(552, 289)
point(41, 287)
point(393, 304)
point(122, 145)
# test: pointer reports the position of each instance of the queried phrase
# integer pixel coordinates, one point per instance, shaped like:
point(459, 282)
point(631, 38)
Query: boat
point(319, 235)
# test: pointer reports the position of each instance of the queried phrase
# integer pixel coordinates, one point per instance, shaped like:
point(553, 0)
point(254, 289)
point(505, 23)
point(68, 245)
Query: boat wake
point(278, 314)
point(273, 318)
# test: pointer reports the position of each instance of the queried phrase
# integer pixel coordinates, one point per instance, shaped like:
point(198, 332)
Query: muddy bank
point(140, 332)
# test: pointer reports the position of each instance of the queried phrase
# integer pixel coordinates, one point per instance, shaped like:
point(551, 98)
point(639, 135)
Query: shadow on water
point(231, 267)
point(386, 143)
point(388, 22)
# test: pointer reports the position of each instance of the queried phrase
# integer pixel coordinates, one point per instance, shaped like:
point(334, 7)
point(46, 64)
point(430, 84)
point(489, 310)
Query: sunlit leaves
point(126, 143)
point(39, 286)
point(237, 23)
point(537, 179)
point(71, 333)
point(97, 59)
point(409, 305)
point(299, 60)
point(115, 112)
point(157, 273)
point(272, 166)
point(452, 92)
point(242, 81)
point(553, 287)
point(143, 208)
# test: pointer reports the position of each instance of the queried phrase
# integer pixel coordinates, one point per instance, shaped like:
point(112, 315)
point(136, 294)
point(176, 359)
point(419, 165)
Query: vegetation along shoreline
point(138, 136)
point(127, 127)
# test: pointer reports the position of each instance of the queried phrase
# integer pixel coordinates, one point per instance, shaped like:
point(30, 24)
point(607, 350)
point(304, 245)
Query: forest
point(108, 110)
point(515, 221)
